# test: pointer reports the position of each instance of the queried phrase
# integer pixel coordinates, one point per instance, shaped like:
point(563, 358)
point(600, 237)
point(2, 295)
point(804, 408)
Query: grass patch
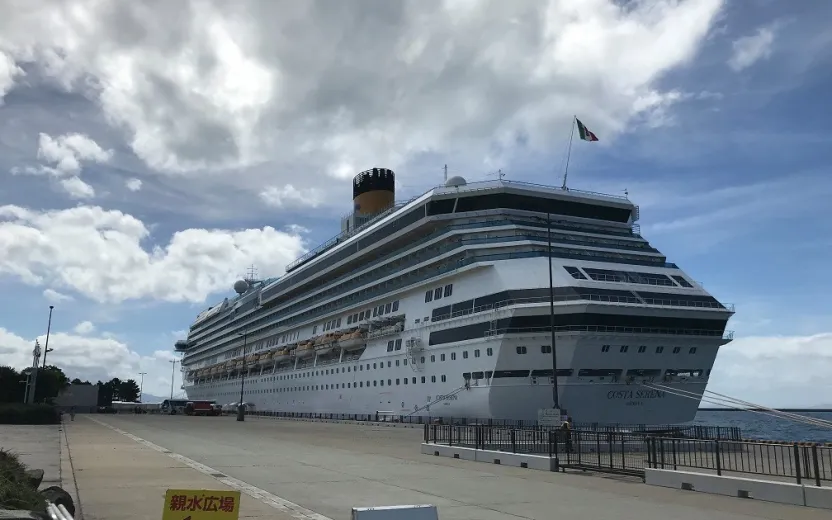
point(17, 413)
point(15, 491)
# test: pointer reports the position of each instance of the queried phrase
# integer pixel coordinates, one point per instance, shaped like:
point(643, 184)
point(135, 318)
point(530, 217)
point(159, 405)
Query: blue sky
point(148, 156)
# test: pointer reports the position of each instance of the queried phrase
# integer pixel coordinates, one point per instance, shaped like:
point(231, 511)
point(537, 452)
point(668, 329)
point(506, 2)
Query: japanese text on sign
point(201, 504)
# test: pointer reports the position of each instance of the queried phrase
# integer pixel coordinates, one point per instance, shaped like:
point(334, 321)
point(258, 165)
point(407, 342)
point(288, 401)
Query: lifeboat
point(281, 355)
point(238, 364)
point(251, 359)
point(305, 351)
point(352, 340)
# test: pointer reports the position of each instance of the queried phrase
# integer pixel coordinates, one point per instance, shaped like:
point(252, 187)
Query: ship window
point(464, 354)
point(599, 372)
point(387, 308)
point(405, 381)
point(477, 353)
point(432, 358)
point(511, 373)
point(349, 319)
point(423, 379)
point(676, 350)
point(642, 349)
point(422, 359)
point(315, 329)
point(521, 350)
point(361, 316)
point(545, 349)
point(397, 381)
point(681, 280)
point(624, 348)
point(395, 305)
point(575, 272)
point(692, 350)
point(453, 356)
point(441, 357)
point(432, 379)
point(375, 383)
point(449, 290)
point(361, 384)
point(659, 350)
point(684, 372)
point(397, 362)
point(390, 346)
point(476, 375)
point(388, 364)
point(413, 380)
point(428, 296)
point(374, 366)
point(398, 344)
point(375, 312)
point(338, 323)
point(405, 362)
point(389, 382)
point(489, 351)
point(444, 379)
point(437, 293)
point(605, 348)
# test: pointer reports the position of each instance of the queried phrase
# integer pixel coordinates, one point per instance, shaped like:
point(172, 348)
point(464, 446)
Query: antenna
point(251, 273)
point(446, 173)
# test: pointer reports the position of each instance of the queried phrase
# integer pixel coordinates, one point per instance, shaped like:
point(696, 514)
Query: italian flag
point(584, 132)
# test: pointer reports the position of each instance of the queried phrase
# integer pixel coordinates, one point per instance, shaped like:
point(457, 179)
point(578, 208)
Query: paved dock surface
point(308, 470)
point(38, 447)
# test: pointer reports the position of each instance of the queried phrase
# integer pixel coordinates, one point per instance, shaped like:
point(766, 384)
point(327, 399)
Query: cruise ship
point(444, 306)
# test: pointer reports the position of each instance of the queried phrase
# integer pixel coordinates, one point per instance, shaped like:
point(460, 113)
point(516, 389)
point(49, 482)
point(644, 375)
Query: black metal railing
point(630, 452)
point(668, 430)
point(802, 462)
point(607, 451)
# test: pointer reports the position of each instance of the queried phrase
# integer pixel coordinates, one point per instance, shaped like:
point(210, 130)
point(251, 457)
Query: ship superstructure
point(440, 306)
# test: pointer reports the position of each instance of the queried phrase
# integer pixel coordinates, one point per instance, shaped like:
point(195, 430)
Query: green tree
point(12, 388)
point(77, 381)
point(128, 391)
point(51, 382)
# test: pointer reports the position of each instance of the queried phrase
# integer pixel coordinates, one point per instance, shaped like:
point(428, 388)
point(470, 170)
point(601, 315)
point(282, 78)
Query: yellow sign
point(201, 504)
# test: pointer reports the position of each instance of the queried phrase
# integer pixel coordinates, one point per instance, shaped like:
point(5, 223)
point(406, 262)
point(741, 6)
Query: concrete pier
point(319, 471)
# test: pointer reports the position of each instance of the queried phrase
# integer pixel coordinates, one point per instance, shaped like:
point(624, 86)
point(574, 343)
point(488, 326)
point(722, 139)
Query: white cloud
point(93, 358)
point(8, 72)
point(99, 253)
point(64, 156)
point(66, 152)
point(218, 85)
point(778, 371)
point(133, 184)
point(748, 50)
point(289, 196)
point(53, 296)
point(77, 189)
point(84, 328)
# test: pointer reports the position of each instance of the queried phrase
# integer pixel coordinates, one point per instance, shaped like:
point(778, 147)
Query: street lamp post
point(141, 386)
point(172, 372)
point(241, 407)
point(46, 349)
point(555, 397)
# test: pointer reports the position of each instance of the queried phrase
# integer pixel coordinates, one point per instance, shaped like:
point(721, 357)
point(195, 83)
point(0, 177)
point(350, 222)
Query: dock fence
point(630, 452)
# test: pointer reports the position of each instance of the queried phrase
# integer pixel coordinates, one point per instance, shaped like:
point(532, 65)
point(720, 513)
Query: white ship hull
point(617, 337)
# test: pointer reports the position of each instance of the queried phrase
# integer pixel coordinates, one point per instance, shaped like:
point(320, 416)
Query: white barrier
point(768, 490)
point(421, 512)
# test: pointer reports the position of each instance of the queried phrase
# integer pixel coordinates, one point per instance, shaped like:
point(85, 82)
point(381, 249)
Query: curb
point(67, 472)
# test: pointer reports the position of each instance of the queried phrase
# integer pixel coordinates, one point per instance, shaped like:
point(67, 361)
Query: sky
point(150, 152)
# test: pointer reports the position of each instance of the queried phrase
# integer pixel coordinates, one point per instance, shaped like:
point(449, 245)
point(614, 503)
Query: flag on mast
point(584, 132)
